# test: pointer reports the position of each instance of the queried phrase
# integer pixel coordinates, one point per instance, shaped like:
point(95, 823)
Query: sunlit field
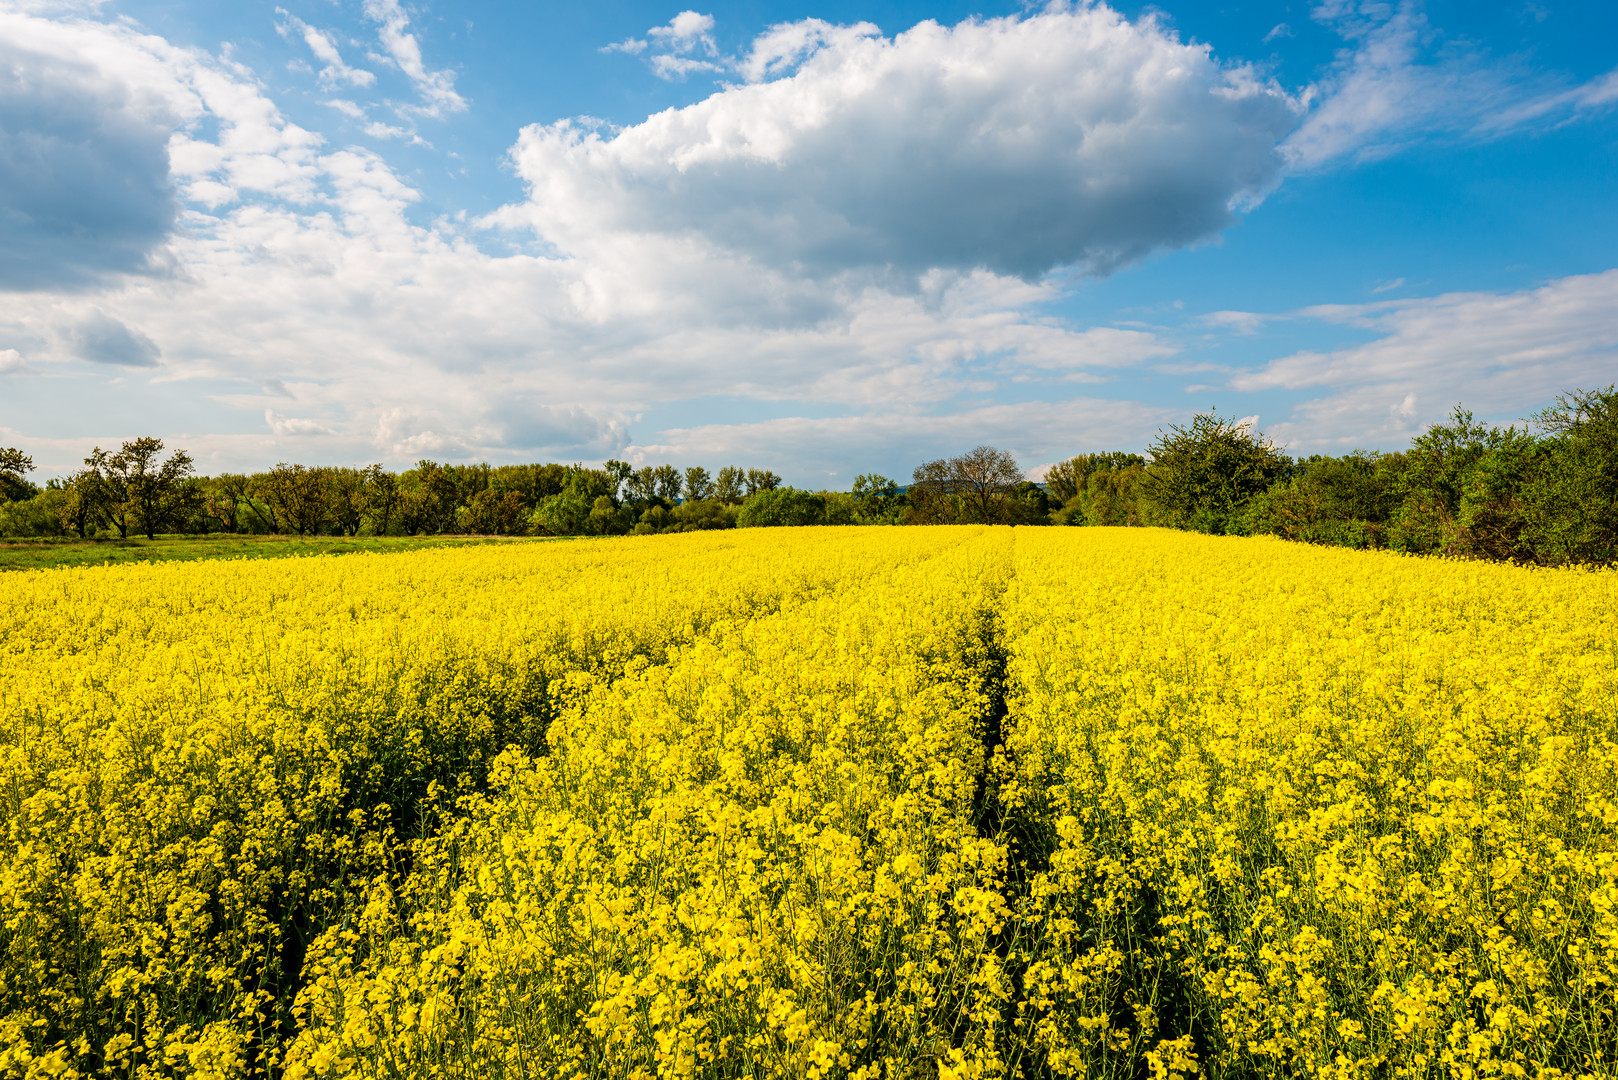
point(822, 802)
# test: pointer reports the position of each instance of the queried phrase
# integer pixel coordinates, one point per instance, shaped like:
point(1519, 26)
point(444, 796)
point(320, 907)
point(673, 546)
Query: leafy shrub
point(699, 514)
point(38, 516)
point(782, 506)
point(1203, 475)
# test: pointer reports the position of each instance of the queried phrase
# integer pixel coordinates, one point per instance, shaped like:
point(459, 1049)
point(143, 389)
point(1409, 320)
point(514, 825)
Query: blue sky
point(822, 238)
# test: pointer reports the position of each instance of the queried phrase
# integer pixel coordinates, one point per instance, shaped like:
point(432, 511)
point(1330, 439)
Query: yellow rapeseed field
point(879, 803)
point(1289, 810)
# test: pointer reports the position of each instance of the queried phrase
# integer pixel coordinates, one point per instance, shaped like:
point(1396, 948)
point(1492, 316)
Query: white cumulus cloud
point(1068, 138)
point(683, 46)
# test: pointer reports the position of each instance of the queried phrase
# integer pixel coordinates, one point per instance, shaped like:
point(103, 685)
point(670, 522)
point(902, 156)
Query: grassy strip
point(48, 553)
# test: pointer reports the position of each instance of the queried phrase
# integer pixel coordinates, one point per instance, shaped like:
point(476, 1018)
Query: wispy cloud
point(322, 45)
point(435, 88)
point(1401, 80)
point(1245, 323)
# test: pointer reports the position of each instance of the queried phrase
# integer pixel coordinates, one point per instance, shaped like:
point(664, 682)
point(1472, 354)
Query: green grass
point(48, 552)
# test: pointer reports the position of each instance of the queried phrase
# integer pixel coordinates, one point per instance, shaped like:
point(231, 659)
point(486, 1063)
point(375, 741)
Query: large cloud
point(323, 319)
point(101, 137)
point(84, 171)
point(1072, 137)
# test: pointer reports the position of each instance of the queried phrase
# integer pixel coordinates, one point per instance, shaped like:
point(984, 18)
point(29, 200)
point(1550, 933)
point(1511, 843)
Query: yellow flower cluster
point(207, 765)
point(759, 856)
point(950, 802)
point(1284, 810)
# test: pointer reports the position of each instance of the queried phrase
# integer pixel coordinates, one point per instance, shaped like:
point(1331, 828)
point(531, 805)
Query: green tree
point(1065, 480)
point(841, 508)
point(40, 515)
point(655, 518)
point(301, 497)
point(666, 483)
point(701, 514)
point(83, 508)
point(607, 519)
point(619, 472)
point(1344, 501)
point(14, 465)
point(1029, 505)
point(225, 497)
point(641, 485)
point(496, 512)
point(781, 506)
point(1111, 496)
point(1432, 488)
point(1203, 475)
point(731, 486)
point(697, 486)
point(1572, 497)
point(382, 497)
point(429, 499)
point(975, 486)
point(760, 480)
point(469, 480)
point(260, 504)
point(153, 492)
point(932, 500)
point(348, 499)
point(877, 499)
point(112, 488)
point(569, 512)
point(564, 514)
point(548, 480)
point(985, 479)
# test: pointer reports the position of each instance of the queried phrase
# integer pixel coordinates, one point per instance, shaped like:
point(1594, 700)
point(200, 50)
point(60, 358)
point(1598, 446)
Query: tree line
point(1545, 493)
point(136, 491)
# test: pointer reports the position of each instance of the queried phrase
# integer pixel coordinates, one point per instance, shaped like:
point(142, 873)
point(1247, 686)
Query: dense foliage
point(1546, 495)
point(952, 802)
